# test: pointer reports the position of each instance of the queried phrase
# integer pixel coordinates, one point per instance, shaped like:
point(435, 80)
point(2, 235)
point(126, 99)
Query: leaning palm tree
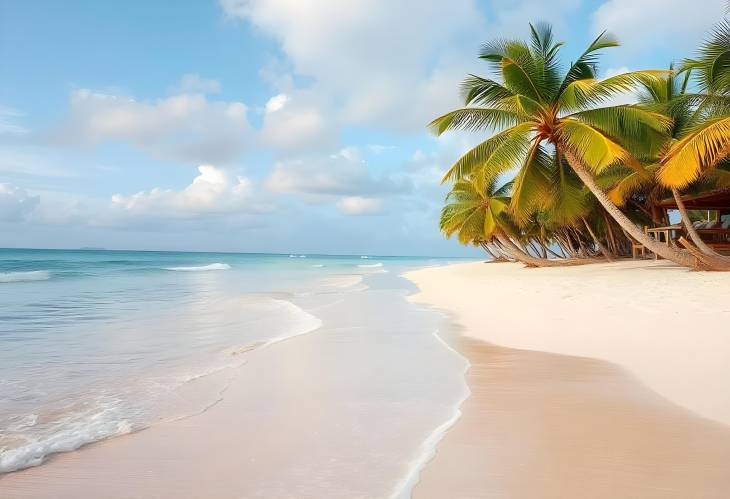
point(707, 142)
point(670, 96)
point(701, 132)
point(476, 210)
point(536, 109)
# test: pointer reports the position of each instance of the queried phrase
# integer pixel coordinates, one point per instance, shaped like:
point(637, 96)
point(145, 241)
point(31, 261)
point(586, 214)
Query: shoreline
point(288, 411)
point(545, 418)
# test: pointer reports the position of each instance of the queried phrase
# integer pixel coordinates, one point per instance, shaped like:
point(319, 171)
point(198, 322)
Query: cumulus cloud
point(297, 122)
point(357, 205)
point(15, 203)
point(186, 127)
point(276, 103)
point(364, 56)
point(649, 23)
point(344, 174)
point(214, 191)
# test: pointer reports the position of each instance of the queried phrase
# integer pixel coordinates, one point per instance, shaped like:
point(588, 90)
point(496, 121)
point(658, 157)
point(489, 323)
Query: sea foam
point(370, 265)
point(203, 268)
point(34, 275)
point(84, 429)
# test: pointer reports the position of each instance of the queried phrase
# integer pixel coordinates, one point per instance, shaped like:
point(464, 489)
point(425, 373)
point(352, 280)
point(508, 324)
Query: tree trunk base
point(716, 263)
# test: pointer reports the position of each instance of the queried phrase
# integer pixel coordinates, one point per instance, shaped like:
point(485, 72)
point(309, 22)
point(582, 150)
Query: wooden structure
point(715, 232)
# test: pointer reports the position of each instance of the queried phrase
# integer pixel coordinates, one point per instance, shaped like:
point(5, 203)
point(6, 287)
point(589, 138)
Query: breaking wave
point(203, 268)
point(34, 275)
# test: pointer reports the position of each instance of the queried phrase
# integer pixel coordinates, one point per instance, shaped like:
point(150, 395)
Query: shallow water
point(99, 343)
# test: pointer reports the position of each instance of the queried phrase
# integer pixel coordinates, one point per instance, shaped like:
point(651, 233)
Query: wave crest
point(370, 265)
point(202, 268)
point(33, 275)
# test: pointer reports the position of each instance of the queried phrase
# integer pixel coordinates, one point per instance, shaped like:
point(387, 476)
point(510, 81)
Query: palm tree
point(707, 141)
point(701, 132)
point(476, 210)
point(669, 96)
point(536, 108)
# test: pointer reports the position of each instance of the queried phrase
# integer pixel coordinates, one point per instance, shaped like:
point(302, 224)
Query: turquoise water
point(95, 344)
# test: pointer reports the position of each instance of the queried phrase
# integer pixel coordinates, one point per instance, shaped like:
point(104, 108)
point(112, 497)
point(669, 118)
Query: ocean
point(95, 344)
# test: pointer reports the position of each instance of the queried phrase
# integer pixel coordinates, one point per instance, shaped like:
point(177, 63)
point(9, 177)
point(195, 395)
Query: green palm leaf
point(496, 155)
point(475, 119)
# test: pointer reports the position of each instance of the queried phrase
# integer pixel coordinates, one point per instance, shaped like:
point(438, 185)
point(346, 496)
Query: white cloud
point(186, 127)
point(643, 25)
point(15, 203)
point(276, 103)
point(357, 205)
point(193, 83)
point(298, 122)
point(376, 61)
point(214, 191)
point(343, 174)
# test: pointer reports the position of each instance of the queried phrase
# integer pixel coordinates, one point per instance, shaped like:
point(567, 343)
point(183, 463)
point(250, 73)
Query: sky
point(287, 126)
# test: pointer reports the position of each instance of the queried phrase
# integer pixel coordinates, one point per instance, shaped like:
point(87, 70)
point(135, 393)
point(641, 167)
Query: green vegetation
point(585, 175)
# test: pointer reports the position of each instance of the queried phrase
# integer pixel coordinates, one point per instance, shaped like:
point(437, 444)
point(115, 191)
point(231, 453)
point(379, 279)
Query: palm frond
point(520, 70)
point(546, 57)
point(585, 92)
point(700, 150)
point(568, 199)
point(497, 154)
point(626, 119)
point(586, 66)
point(483, 91)
point(629, 181)
point(531, 187)
point(594, 147)
point(475, 119)
point(713, 68)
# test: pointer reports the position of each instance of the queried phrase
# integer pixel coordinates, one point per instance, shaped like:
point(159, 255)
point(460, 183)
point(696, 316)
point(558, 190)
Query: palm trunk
point(546, 249)
point(691, 231)
point(611, 238)
point(523, 257)
point(565, 245)
point(487, 250)
point(673, 254)
point(603, 250)
point(497, 246)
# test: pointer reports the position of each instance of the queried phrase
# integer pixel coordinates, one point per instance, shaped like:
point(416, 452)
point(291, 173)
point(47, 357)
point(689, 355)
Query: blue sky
point(263, 125)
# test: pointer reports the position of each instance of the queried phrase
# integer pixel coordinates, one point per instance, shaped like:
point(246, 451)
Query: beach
point(402, 378)
point(601, 381)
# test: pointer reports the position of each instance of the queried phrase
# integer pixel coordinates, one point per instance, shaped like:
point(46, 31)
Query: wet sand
point(549, 425)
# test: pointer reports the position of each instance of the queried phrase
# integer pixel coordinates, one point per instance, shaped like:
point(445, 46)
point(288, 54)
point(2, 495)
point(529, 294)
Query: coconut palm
point(707, 141)
point(476, 211)
point(536, 109)
point(701, 132)
point(670, 97)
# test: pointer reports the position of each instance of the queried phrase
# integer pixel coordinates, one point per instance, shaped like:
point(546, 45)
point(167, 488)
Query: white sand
point(667, 326)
